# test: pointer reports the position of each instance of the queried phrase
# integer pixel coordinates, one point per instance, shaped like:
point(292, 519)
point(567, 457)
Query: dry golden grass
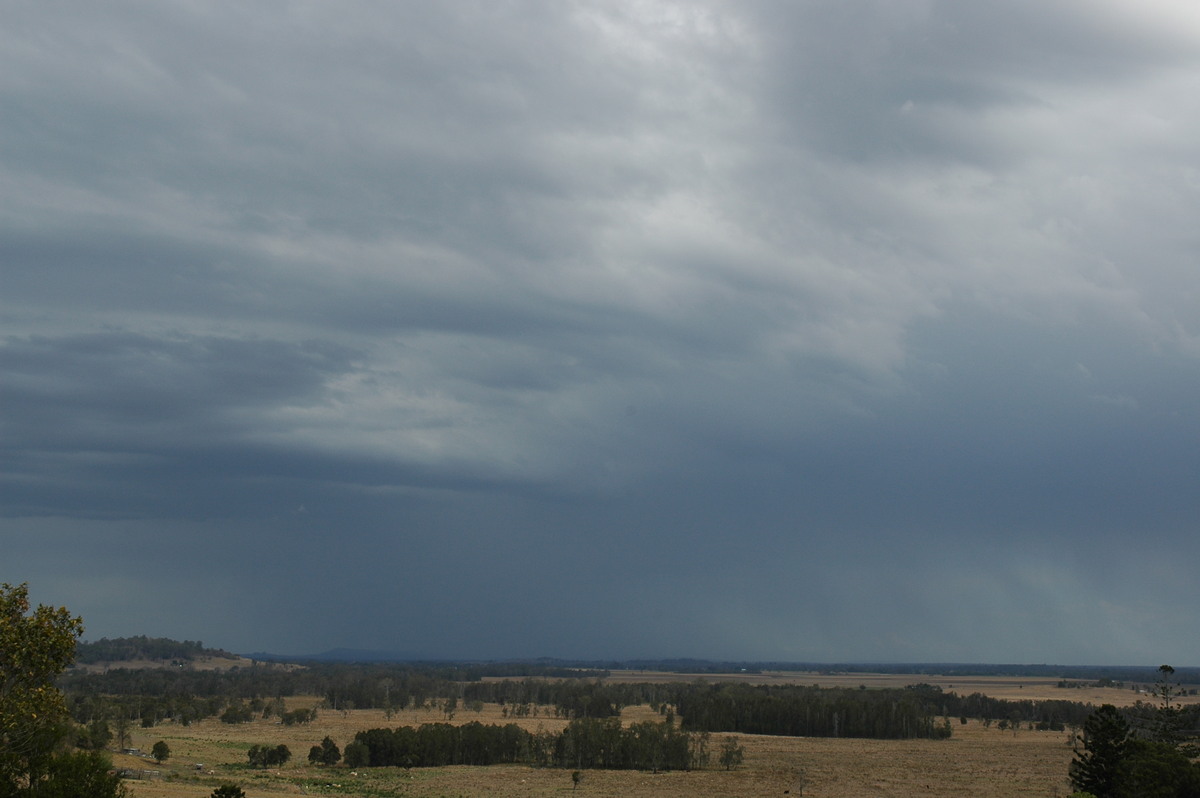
point(1013, 688)
point(984, 763)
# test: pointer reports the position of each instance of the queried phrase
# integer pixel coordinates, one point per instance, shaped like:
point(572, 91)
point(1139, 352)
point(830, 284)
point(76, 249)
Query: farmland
point(976, 760)
point(1008, 688)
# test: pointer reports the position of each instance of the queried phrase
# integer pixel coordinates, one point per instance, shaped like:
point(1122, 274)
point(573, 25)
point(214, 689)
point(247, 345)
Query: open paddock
point(977, 761)
point(1011, 688)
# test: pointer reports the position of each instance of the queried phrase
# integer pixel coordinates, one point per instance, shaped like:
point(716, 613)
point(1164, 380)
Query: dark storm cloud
point(830, 330)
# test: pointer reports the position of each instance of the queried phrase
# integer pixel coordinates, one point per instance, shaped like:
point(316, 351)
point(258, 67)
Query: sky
point(834, 331)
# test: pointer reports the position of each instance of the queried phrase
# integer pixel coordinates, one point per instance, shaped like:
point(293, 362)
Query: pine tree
point(1106, 742)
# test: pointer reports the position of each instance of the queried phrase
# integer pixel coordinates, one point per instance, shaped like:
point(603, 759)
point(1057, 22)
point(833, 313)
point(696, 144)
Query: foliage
point(437, 744)
point(34, 648)
point(237, 712)
point(186, 695)
point(265, 756)
point(1168, 721)
point(603, 743)
point(326, 753)
point(76, 774)
point(1118, 764)
point(1106, 742)
point(795, 711)
point(1156, 770)
point(95, 736)
point(585, 743)
point(123, 649)
point(298, 716)
point(358, 755)
point(161, 751)
point(732, 754)
point(228, 791)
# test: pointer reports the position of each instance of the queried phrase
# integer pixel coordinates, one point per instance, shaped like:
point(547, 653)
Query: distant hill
point(146, 649)
point(340, 655)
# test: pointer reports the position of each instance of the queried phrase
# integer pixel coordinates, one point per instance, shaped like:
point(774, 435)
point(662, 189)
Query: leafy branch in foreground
point(34, 725)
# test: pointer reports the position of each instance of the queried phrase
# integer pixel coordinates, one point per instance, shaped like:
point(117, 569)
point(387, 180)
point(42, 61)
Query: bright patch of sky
point(822, 331)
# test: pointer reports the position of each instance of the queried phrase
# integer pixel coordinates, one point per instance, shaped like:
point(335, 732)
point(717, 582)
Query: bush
point(264, 756)
point(237, 712)
point(298, 716)
point(732, 754)
point(357, 755)
point(80, 773)
point(228, 791)
point(326, 753)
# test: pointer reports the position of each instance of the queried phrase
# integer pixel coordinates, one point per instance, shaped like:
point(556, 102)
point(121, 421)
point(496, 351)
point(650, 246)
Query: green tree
point(34, 648)
point(1156, 770)
point(274, 709)
point(280, 755)
point(264, 756)
point(298, 716)
point(161, 751)
point(237, 712)
point(96, 735)
point(228, 791)
point(1106, 742)
point(1168, 721)
point(732, 754)
point(326, 753)
point(1166, 687)
point(357, 755)
point(1116, 764)
point(122, 731)
point(77, 774)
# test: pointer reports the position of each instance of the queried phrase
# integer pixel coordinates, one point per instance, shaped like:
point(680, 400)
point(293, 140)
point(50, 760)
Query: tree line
point(343, 685)
point(797, 711)
point(150, 696)
point(584, 743)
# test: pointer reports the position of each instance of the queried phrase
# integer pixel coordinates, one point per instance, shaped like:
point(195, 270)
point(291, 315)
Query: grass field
point(976, 761)
point(1012, 688)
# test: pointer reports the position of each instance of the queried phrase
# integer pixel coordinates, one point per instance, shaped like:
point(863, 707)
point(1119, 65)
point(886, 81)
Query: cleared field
point(986, 763)
point(1012, 688)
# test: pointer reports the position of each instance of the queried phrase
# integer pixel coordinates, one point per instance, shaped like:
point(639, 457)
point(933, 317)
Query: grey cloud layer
point(776, 314)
